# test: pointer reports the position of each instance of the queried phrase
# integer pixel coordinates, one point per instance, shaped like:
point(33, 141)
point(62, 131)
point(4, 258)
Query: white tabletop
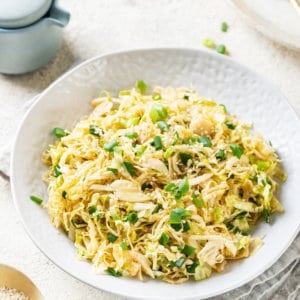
point(98, 27)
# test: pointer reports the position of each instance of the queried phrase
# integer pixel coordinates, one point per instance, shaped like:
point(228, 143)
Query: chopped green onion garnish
point(186, 226)
point(221, 49)
point(186, 97)
point(192, 267)
point(198, 201)
point(132, 218)
point(36, 199)
point(185, 157)
point(124, 246)
point(179, 262)
point(140, 149)
point(221, 155)
point(95, 130)
point(224, 27)
point(158, 113)
point(130, 168)
point(178, 214)
point(216, 214)
point(163, 125)
point(115, 171)
point(110, 146)
point(205, 141)
point(156, 96)
point(157, 142)
point(59, 132)
point(157, 209)
point(188, 250)
point(170, 187)
point(224, 108)
point(113, 272)
point(169, 152)
point(57, 170)
point(176, 138)
point(164, 239)
point(262, 165)
point(176, 227)
point(266, 215)
point(64, 194)
point(209, 43)
point(230, 125)
point(182, 189)
point(132, 122)
point(112, 238)
point(141, 86)
point(132, 135)
point(92, 209)
point(236, 150)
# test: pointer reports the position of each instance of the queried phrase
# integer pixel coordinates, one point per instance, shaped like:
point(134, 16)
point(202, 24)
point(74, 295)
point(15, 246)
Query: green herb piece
point(112, 238)
point(186, 226)
point(141, 86)
point(95, 130)
point(156, 96)
point(157, 143)
point(209, 43)
point(241, 215)
point(229, 226)
point(224, 108)
point(178, 263)
point(163, 125)
point(185, 157)
point(132, 218)
point(224, 26)
point(266, 215)
point(92, 209)
point(230, 125)
point(113, 272)
point(176, 227)
point(221, 155)
point(36, 199)
point(157, 209)
point(125, 93)
point(164, 239)
point(254, 178)
point(158, 113)
point(186, 97)
point(140, 149)
point(59, 132)
point(182, 189)
point(177, 214)
point(130, 168)
point(205, 141)
point(192, 267)
point(132, 122)
point(64, 194)
point(176, 138)
point(109, 147)
point(262, 165)
point(170, 187)
point(115, 171)
point(236, 150)
point(188, 250)
point(216, 214)
point(124, 246)
point(221, 49)
point(57, 170)
point(132, 135)
point(198, 201)
point(169, 152)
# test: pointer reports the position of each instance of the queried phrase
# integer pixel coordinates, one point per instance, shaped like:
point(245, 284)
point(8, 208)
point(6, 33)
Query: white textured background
point(101, 26)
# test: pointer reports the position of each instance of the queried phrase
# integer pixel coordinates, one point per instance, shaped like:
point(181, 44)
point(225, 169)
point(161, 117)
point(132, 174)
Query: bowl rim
point(91, 60)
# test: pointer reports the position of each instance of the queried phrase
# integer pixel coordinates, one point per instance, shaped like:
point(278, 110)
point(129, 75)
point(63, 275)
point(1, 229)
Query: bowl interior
point(244, 93)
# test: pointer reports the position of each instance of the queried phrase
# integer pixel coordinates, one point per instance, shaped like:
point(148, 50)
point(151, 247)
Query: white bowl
point(244, 93)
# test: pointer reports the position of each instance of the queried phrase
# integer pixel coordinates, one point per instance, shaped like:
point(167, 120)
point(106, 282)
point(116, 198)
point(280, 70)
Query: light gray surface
point(103, 26)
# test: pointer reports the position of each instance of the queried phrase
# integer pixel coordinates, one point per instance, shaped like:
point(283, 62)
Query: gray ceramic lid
point(20, 13)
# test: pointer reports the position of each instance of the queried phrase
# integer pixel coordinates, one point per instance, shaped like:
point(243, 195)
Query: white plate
point(244, 93)
point(277, 19)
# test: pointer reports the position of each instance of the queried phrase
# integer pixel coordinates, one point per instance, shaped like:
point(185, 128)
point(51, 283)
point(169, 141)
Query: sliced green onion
point(186, 97)
point(140, 149)
point(36, 199)
point(198, 201)
point(170, 187)
point(177, 214)
point(59, 132)
point(132, 135)
point(95, 130)
point(221, 155)
point(209, 43)
point(262, 165)
point(124, 246)
point(224, 108)
point(224, 26)
point(216, 214)
point(92, 209)
point(185, 157)
point(205, 141)
point(156, 96)
point(115, 171)
point(64, 194)
point(236, 150)
point(57, 170)
point(186, 226)
point(230, 125)
point(158, 113)
point(169, 152)
point(157, 209)
point(176, 138)
point(176, 227)
point(266, 215)
point(113, 272)
point(221, 49)
point(182, 189)
point(188, 250)
point(141, 86)
point(157, 143)
point(192, 267)
point(130, 168)
point(109, 147)
point(132, 122)
point(163, 125)
point(112, 238)
point(132, 218)
point(179, 262)
point(164, 239)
